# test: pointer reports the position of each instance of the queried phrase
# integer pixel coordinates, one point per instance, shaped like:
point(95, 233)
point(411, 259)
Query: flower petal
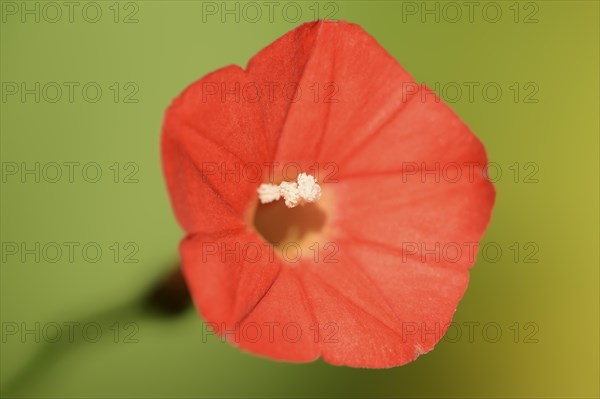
point(421, 298)
point(217, 125)
point(192, 195)
point(228, 274)
point(284, 319)
point(215, 135)
point(343, 97)
point(436, 222)
point(424, 134)
point(276, 70)
point(357, 325)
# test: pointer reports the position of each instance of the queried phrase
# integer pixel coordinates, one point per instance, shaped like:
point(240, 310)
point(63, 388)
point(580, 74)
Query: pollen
point(268, 193)
point(304, 190)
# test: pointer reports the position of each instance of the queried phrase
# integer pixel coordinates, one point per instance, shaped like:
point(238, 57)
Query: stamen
point(289, 191)
point(308, 188)
point(268, 193)
point(305, 190)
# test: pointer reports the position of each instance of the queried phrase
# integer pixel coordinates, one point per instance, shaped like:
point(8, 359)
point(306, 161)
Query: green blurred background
point(542, 55)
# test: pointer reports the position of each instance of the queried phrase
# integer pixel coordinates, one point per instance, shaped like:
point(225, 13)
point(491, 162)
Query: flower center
point(294, 226)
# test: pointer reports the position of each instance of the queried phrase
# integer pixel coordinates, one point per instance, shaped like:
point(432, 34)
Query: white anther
point(268, 193)
point(308, 188)
point(289, 191)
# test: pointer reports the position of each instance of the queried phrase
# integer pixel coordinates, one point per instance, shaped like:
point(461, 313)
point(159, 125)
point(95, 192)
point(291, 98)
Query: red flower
point(403, 217)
